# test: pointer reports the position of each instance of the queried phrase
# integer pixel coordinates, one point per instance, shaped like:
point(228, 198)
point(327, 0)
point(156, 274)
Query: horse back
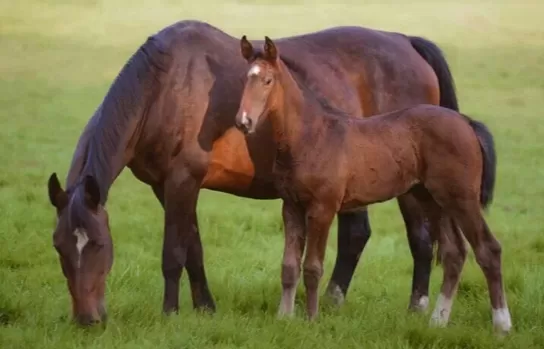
point(368, 72)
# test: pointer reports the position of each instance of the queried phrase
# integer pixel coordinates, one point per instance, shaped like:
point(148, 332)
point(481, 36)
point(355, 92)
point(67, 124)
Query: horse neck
point(102, 152)
point(107, 144)
point(287, 122)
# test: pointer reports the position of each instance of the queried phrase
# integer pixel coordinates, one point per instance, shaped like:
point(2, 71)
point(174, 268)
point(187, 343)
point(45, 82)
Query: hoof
point(502, 322)
point(335, 294)
point(420, 306)
point(281, 315)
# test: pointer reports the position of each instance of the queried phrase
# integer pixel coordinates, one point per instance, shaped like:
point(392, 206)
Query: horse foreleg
point(200, 292)
point(182, 246)
point(421, 249)
point(353, 234)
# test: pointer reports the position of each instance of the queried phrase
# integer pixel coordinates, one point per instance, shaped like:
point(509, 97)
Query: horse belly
point(231, 169)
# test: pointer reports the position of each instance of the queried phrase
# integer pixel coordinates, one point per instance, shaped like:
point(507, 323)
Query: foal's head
point(83, 241)
point(259, 97)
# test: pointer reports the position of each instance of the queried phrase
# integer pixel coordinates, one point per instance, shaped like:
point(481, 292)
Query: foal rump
point(487, 186)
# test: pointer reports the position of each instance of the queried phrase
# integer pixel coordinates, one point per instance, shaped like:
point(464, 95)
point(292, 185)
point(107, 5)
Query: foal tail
point(487, 145)
point(431, 53)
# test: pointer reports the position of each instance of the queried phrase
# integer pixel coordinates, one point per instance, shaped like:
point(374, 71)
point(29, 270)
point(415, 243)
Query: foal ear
point(57, 196)
point(247, 48)
point(92, 192)
point(270, 50)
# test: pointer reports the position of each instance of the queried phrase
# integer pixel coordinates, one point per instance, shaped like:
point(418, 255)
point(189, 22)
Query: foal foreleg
point(353, 234)
point(318, 222)
point(294, 229)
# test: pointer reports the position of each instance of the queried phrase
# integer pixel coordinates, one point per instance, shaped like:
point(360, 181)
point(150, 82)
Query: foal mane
point(306, 85)
point(101, 147)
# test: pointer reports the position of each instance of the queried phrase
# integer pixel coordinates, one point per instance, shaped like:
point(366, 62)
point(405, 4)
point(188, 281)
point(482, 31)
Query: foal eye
point(268, 81)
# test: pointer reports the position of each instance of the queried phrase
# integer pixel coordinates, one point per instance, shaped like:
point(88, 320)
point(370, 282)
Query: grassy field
point(57, 60)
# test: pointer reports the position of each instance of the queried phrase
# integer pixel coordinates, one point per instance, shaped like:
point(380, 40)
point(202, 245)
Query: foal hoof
point(437, 322)
point(312, 317)
point(502, 322)
point(282, 315)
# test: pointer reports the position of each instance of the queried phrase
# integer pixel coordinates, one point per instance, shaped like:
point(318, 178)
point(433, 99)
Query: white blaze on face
point(255, 70)
point(82, 240)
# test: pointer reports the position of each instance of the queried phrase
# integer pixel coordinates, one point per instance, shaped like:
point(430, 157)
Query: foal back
point(387, 155)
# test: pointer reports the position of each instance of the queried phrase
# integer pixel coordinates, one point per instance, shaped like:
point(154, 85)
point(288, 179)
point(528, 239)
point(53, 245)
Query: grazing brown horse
point(328, 163)
point(168, 117)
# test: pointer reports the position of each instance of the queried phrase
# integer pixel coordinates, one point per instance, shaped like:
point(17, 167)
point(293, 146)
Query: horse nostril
point(87, 320)
point(247, 123)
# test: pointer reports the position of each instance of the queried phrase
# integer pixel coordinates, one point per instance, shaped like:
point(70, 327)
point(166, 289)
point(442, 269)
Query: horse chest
point(296, 186)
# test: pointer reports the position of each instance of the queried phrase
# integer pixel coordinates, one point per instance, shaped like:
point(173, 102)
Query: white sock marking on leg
point(442, 310)
point(502, 320)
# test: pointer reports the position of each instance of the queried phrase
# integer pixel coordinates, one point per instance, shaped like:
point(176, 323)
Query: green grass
point(57, 61)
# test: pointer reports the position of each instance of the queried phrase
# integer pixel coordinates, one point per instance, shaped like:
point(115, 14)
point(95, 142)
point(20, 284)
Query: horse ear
point(270, 50)
point(247, 48)
point(92, 192)
point(57, 196)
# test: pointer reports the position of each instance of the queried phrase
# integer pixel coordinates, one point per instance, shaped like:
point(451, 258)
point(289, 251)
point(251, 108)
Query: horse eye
point(268, 81)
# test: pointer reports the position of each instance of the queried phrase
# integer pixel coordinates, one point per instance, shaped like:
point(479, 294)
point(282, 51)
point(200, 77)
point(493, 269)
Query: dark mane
point(116, 120)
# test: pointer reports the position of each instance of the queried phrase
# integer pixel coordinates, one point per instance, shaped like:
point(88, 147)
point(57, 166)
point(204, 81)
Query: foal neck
point(287, 119)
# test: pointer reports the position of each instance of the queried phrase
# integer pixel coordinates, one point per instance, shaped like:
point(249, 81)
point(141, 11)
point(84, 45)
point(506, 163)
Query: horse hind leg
point(353, 234)
point(419, 240)
point(487, 251)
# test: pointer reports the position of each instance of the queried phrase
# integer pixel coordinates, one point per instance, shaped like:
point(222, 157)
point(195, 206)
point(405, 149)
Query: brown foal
point(328, 163)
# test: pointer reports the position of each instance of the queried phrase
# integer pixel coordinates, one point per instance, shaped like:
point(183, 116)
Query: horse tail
point(433, 55)
point(489, 171)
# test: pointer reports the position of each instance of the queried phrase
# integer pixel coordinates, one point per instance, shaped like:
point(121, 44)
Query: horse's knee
point(354, 231)
point(453, 257)
point(312, 275)
point(173, 258)
point(289, 275)
point(421, 245)
point(488, 255)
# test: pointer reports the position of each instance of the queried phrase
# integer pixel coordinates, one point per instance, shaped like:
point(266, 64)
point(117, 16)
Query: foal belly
point(377, 184)
point(231, 169)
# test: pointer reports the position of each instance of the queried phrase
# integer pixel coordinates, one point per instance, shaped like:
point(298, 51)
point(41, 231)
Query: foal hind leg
point(452, 255)
point(353, 234)
point(421, 248)
point(294, 229)
point(487, 251)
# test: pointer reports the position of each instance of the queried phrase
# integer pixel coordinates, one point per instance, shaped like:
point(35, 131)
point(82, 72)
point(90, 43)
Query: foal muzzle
point(244, 124)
